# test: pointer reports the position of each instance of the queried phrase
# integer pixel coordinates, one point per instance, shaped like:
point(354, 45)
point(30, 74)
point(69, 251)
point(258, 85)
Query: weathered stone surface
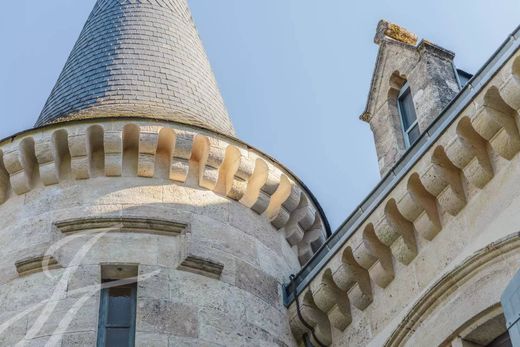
point(257, 282)
point(430, 74)
point(151, 340)
point(79, 339)
point(167, 317)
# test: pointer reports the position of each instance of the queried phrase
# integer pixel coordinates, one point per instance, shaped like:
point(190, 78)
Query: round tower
point(131, 216)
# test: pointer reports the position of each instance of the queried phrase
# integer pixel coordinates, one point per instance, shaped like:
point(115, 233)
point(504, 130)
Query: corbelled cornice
point(81, 150)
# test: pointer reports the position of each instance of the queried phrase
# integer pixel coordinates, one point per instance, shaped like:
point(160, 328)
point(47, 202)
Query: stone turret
point(133, 195)
point(411, 84)
point(139, 58)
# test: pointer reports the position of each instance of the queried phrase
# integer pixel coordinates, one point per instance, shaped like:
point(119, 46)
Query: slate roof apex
point(141, 58)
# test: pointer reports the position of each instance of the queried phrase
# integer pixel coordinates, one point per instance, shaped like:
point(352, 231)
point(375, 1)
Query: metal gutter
point(402, 167)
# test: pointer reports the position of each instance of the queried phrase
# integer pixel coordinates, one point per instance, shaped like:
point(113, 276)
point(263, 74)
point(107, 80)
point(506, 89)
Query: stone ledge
point(201, 266)
point(128, 224)
point(35, 264)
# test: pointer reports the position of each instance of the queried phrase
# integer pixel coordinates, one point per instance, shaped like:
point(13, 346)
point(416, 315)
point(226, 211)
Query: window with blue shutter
point(117, 312)
point(511, 305)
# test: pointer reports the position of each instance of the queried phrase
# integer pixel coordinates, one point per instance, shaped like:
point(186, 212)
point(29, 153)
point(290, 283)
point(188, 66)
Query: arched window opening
point(408, 116)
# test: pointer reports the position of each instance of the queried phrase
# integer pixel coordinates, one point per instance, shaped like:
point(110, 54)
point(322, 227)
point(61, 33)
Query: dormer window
point(407, 114)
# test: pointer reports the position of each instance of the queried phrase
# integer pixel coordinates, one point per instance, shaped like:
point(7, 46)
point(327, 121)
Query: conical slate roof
point(139, 58)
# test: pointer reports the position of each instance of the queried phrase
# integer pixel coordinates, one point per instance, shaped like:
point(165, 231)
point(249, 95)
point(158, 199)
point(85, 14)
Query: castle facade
point(133, 215)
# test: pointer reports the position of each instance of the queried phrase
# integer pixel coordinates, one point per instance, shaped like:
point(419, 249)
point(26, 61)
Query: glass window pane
point(413, 134)
point(119, 306)
point(117, 337)
point(407, 109)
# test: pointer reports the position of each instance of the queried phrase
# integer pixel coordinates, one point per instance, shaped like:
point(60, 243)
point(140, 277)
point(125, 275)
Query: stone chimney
point(411, 85)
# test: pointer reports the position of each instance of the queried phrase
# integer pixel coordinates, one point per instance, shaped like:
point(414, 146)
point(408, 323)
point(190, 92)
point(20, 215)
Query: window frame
point(103, 312)
point(406, 132)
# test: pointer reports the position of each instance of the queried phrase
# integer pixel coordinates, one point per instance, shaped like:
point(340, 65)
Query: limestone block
point(258, 283)
point(148, 142)
point(4, 181)
point(316, 318)
point(18, 176)
point(278, 198)
point(282, 219)
point(363, 256)
point(191, 289)
point(143, 339)
point(331, 300)
point(433, 181)
point(453, 196)
point(361, 295)
point(79, 156)
point(166, 317)
point(210, 171)
point(181, 156)
point(499, 128)
point(247, 165)
point(294, 199)
point(45, 156)
point(385, 232)
point(227, 170)
point(17, 329)
point(426, 227)
point(87, 338)
point(273, 180)
point(403, 251)
point(268, 318)
point(174, 341)
point(113, 141)
point(451, 200)
point(255, 183)
point(408, 207)
point(201, 266)
point(510, 91)
point(460, 152)
point(505, 143)
point(382, 269)
point(478, 173)
point(82, 276)
point(83, 316)
point(313, 239)
point(156, 286)
point(261, 203)
point(294, 230)
point(485, 122)
point(237, 189)
point(405, 247)
point(215, 326)
point(346, 272)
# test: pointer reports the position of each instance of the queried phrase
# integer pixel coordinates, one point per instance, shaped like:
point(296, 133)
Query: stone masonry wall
point(219, 226)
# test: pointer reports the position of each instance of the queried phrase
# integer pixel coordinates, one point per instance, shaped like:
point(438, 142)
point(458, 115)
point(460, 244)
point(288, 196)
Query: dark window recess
point(117, 315)
point(408, 117)
point(464, 77)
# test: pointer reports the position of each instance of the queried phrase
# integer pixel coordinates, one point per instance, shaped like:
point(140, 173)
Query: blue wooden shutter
point(511, 304)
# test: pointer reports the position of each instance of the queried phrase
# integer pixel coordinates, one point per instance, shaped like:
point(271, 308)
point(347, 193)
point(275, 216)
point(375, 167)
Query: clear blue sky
point(294, 73)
